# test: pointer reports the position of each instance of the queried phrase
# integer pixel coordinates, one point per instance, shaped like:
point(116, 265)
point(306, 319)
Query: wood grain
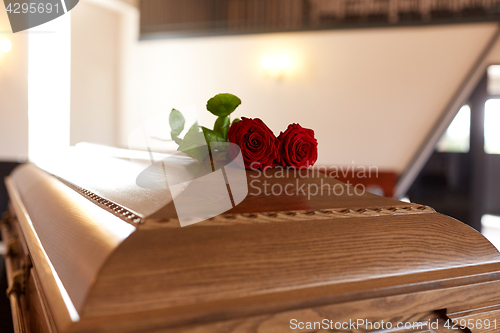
point(238, 319)
point(78, 249)
point(39, 259)
point(12, 264)
point(200, 264)
point(40, 318)
point(483, 319)
point(381, 260)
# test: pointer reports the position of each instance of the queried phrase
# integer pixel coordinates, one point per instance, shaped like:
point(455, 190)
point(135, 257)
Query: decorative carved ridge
point(301, 215)
point(124, 213)
point(246, 218)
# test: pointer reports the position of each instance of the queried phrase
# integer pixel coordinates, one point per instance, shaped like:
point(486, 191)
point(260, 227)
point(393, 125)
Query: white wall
point(97, 75)
point(13, 94)
point(493, 57)
point(370, 95)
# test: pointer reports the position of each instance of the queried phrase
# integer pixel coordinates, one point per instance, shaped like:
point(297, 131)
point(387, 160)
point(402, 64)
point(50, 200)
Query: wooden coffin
point(85, 260)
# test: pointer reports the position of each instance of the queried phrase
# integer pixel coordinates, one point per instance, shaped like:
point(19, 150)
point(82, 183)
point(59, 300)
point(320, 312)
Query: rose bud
point(297, 147)
point(258, 144)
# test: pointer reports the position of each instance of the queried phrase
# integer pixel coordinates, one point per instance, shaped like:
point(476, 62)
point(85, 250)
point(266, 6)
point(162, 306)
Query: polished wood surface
point(117, 191)
point(13, 265)
point(229, 263)
point(68, 229)
point(38, 259)
point(40, 315)
point(251, 269)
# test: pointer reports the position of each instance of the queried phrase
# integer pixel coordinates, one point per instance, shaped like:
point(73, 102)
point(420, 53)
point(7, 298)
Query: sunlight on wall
point(492, 126)
point(49, 59)
point(49, 87)
point(457, 136)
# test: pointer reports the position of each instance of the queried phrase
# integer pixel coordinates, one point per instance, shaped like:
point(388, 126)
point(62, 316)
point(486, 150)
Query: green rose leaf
point(194, 145)
point(218, 147)
point(197, 144)
point(236, 120)
point(223, 104)
point(176, 120)
point(221, 126)
point(212, 137)
point(195, 128)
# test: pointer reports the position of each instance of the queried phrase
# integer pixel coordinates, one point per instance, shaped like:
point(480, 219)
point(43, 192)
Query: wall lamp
point(276, 66)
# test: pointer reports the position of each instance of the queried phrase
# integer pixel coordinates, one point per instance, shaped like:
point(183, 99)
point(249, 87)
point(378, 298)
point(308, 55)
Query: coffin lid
point(279, 252)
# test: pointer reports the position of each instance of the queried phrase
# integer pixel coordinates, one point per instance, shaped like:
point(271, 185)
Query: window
point(492, 126)
point(457, 136)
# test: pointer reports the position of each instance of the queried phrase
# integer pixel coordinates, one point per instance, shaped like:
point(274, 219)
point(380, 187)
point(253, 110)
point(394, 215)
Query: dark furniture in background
point(445, 182)
point(5, 312)
point(465, 186)
point(173, 18)
point(5, 169)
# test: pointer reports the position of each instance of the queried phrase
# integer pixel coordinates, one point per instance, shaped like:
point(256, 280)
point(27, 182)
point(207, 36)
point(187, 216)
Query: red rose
point(258, 144)
point(297, 147)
